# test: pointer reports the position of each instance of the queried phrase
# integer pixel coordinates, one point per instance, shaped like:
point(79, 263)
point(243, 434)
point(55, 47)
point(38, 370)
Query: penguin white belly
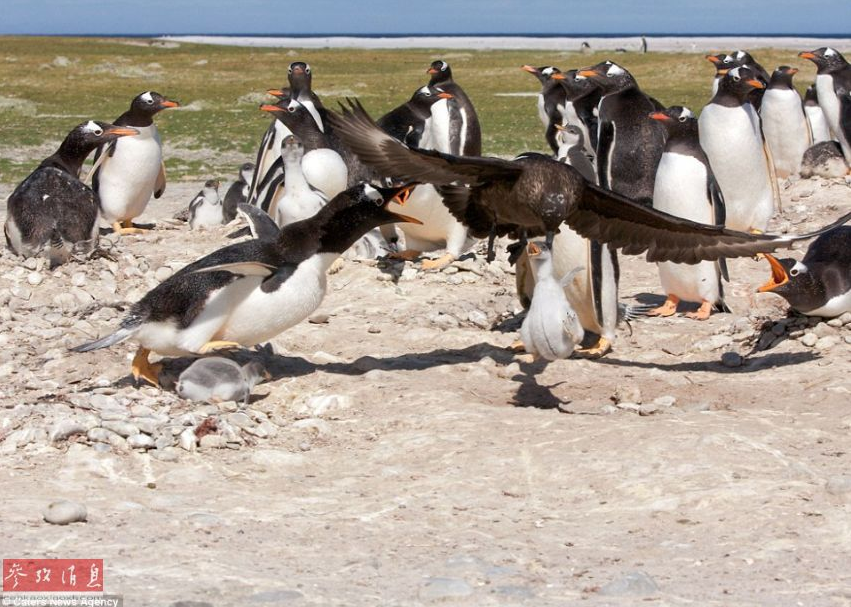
point(829, 102)
point(127, 178)
point(297, 204)
point(835, 306)
point(785, 128)
point(542, 114)
point(570, 250)
point(439, 228)
point(325, 170)
point(206, 215)
point(439, 131)
point(543, 332)
point(818, 123)
point(738, 161)
point(462, 136)
point(16, 239)
point(261, 316)
point(569, 116)
point(681, 189)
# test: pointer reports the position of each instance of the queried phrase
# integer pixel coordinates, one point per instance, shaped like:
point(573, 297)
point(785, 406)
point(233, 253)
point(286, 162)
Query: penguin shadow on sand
point(142, 226)
point(531, 393)
point(394, 267)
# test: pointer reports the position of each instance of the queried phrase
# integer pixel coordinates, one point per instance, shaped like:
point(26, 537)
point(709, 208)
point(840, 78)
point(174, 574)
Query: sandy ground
point(447, 470)
point(683, 44)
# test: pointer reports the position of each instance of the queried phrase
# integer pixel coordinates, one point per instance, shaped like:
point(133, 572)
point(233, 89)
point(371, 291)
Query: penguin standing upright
point(580, 106)
point(205, 210)
point(237, 193)
point(725, 62)
point(268, 166)
point(819, 284)
point(455, 125)
point(551, 100)
point(249, 292)
point(299, 200)
point(784, 123)
point(686, 187)
point(833, 72)
point(629, 145)
point(52, 212)
point(730, 136)
point(407, 123)
point(127, 171)
point(815, 116)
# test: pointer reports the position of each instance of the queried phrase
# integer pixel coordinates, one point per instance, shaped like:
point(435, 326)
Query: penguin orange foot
point(598, 350)
point(669, 308)
point(127, 227)
point(702, 313)
point(517, 346)
point(143, 369)
point(215, 346)
point(439, 263)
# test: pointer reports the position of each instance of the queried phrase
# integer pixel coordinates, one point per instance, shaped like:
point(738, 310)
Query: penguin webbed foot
point(598, 350)
point(669, 308)
point(517, 346)
point(439, 263)
point(215, 346)
point(702, 313)
point(143, 369)
point(127, 227)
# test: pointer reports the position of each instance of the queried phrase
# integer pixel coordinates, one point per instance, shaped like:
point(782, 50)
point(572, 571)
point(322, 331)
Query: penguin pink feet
point(669, 308)
point(702, 313)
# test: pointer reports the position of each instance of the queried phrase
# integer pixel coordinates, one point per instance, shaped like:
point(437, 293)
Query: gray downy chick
point(551, 329)
point(219, 379)
point(571, 150)
point(206, 208)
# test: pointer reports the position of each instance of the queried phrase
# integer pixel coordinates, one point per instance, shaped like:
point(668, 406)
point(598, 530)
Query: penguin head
point(299, 77)
point(149, 103)
point(291, 148)
point(253, 372)
point(811, 96)
point(792, 280)
point(569, 136)
point(827, 59)
point(357, 210)
point(782, 77)
point(608, 75)
point(439, 71)
point(426, 96)
point(87, 136)
point(212, 184)
point(717, 60)
point(544, 74)
point(740, 81)
point(246, 172)
point(677, 120)
point(538, 250)
point(291, 113)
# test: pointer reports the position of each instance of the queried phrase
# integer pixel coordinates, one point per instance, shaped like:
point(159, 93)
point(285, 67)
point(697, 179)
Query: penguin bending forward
point(127, 171)
point(249, 292)
point(52, 212)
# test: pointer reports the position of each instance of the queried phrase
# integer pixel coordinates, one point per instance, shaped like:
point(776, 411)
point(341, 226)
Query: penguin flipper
point(568, 278)
point(605, 139)
point(241, 268)
point(102, 154)
point(261, 225)
point(719, 217)
point(159, 187)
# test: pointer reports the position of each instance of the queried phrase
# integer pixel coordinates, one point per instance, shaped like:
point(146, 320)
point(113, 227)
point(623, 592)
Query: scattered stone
point(64, 429)
point(664, 401)
point(373, 329)
point(479, 318)
point(809, 340)
point(213, 441)
point(822, 329)
point(732, 359)
point(123, 429)
point(140, 441)
point(627, 393)
point(65, 512)
point(35, 278)
point(78, 279)
point(188, 440)
point(323, 404)
point(648, 409)
point(320, 318)
point(634, 583)
point(826, 343)
point(163, 273)
point(445, 588)
point(508, 371)
point(839, 486)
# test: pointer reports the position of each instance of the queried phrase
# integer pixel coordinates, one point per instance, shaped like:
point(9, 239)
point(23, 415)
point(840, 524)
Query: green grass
point(41, 101)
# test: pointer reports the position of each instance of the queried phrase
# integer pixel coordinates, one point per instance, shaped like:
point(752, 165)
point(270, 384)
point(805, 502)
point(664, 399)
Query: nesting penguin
point(126, 172)
point(686, 187)
point(248, 292)
point(237, 193)
point(52, 212)
point(551, 100)
point(784, 124)
point(216, 379)
point(407, 123)
point(572, 151)
point(205, 210)
point(815, 116)
point(731, 137)
point(833, 72)
point(819, 284)
point(551, 329)
point(824, 159)
point(455, 125)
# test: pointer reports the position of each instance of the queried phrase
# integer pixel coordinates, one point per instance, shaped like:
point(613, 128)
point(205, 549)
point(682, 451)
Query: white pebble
point(35, 278)
point(65, 512)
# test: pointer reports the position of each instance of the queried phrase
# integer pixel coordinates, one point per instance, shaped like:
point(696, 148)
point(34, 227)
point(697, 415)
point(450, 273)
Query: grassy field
point(48, 85)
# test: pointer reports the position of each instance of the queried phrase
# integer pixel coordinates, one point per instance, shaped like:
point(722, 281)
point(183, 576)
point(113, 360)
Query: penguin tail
point(129, 327)
point(721, 306)
point(57, 250)
point(627, 313)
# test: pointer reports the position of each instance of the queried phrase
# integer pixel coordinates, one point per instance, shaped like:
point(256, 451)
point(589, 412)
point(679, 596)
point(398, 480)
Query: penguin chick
point(571, 150)
point(205, 210)
point(237, 193)
point(217, 379)
point(824, 159)
point(300, 200)
point(52, 211)
point(551, 329)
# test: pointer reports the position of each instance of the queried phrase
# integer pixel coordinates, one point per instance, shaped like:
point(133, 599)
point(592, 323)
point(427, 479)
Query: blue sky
point(425, 16)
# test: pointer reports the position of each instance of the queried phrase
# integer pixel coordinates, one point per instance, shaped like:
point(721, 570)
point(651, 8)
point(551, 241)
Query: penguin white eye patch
point(93, 127)
point(147, 97)
point(615, 70)
point(371, 192)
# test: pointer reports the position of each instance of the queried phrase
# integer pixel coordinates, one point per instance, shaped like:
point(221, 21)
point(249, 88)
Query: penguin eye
point(682, 118)
point(736, 78)
point(307, 70)
point(794, 272)
point(291, 109)
point(427, 93)
point(97, 132)
point(290, 70)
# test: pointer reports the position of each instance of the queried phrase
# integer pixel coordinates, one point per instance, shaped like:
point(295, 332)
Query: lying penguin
point(819, 284)
point(205, 210)
point(249, 292)
point(551, 329)
point(52, 212)
point(219, 379)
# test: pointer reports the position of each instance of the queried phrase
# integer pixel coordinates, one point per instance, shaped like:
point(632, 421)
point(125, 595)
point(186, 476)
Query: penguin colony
point(627, 173)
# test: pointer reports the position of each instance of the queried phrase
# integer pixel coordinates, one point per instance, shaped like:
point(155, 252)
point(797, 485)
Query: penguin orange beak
point(714, 59)
point(169, 103)
point(779, 276)
point(530, 69)
point(276, 92)
point(588, 73)
point(402, 197)
point(755, 83)
point(792, 71)
point(723, 71)
point(557, 76)
point(122, 131)
point(533, 250)
point(270, 108)
point(445, 95)
point(807, 55)
point(661, 117)
point(431, 70)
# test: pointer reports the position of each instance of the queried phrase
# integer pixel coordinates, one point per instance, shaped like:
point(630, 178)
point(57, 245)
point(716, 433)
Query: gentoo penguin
point(784, 124)
point(237, 193)
point(249, 292)
point(686, 187)
point(52, 212)
point(815, 116)
point(205, 210)
point(407, 122)
point(551, 100)
point(819, 284)
point(844, 95)
point(127, 171)
point(536, 194)
point(551, 329)
point(580, 106)
point(731, 137)
point(571, 150)
point(217, 379)
point(455, 124)
point(833, 72)
point(629, 145)
point(725, 62)
point(299, 200)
